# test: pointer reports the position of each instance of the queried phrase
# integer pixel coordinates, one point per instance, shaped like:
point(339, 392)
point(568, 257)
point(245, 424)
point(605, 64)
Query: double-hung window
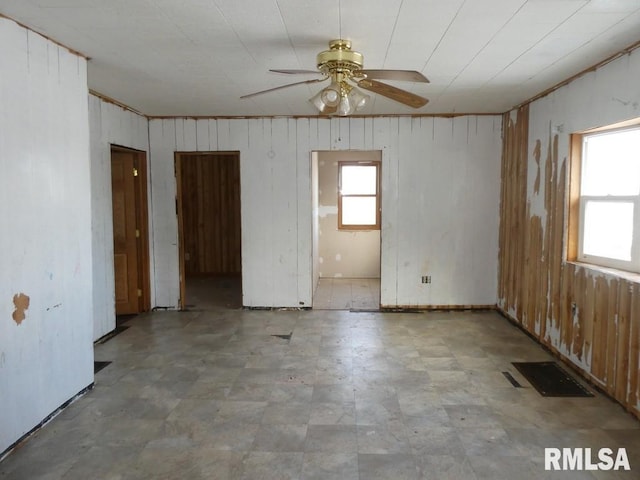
point(609, 200)
point(359, 195)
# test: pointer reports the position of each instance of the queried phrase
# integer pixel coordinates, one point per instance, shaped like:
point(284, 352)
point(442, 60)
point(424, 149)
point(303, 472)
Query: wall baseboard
point(46, 420)
point(432, 308)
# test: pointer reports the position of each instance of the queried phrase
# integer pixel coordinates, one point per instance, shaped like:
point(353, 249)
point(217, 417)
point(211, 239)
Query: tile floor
point(347, 294)
point(212, 394)
point(211, 292)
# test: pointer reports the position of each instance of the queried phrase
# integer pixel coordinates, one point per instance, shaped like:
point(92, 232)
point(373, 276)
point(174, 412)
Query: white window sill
point(612, 272)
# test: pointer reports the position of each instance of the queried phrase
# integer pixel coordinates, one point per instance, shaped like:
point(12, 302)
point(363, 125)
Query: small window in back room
point(609, 200)
point(358, 195)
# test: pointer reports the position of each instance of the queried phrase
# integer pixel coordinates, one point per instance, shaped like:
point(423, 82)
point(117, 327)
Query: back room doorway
point(208, 209)
point(346, 203)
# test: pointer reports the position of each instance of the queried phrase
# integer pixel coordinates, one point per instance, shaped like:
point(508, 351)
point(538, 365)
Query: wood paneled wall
point(591, 318)
point(211, 213)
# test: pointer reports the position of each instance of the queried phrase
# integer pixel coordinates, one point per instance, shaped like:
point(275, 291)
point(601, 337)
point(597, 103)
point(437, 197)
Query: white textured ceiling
point(197, 57)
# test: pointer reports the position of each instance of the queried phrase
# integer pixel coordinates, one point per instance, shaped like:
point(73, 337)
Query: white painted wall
point(440, 191)
point(45, 211)
point(608, 95)
point(343, 253)
point(109, 124)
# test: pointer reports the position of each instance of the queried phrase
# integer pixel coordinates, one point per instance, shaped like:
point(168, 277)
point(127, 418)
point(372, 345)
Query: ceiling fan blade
point(315, 80)
point(403, 75)
point(297, 71)
point(393, 93)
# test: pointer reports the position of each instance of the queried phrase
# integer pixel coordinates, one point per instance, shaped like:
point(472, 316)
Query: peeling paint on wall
point(536, 156)
point(588, 317)
point(21, 303)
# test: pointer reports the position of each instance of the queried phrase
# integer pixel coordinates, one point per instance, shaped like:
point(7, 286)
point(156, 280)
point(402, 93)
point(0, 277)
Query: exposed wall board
point(162, 145)
point(45, 210)
point(588, 315)
point(348, 254)
point(453, 166)
point(302, 131)
point(385, 138)
point(109, 124)
point(282, 200)
point(443, 199)
point(315, 230)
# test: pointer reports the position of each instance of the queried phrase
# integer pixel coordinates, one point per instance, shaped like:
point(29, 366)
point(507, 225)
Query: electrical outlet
point(426, 279)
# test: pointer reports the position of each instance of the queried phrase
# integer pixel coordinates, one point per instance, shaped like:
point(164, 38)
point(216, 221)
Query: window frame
point(377, 195)
point(577, 205)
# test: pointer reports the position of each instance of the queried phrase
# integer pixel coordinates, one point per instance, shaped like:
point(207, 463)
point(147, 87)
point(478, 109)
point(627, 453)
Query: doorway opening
point(209, 229)
point(346, 203)
point(130, 231)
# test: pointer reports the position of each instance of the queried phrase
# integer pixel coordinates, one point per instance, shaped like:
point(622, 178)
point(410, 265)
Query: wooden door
point(126, 234)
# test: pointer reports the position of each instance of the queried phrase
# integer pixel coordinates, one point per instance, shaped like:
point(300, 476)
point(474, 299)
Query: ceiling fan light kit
point(342, 65)
point(339, 97)
point(331, 94)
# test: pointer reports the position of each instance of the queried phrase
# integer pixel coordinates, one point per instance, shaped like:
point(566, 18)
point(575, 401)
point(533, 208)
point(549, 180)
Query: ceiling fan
point(343, 67)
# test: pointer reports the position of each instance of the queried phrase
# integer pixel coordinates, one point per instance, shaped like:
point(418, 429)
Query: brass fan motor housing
point(339, 59)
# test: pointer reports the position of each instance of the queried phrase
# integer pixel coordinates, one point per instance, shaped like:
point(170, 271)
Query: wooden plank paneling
point(611, 323)
point(633, 375)
point(590, 318)
point(202, 135)
point(622, 335)
point(304, 220)
point(211, 213)
point(162, 145)
point(513, 242)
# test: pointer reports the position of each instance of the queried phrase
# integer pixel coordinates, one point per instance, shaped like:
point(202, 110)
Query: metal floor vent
point(550, 380)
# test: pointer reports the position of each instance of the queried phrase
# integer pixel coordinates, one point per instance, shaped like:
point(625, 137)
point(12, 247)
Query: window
point(609, 198)
point(358, 195)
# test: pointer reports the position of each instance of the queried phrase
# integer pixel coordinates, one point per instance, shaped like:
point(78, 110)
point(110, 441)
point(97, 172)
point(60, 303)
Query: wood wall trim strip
point(69, 49)
point(316, 117)
point(593, 68)
point(112, 101)
point(429, 308)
